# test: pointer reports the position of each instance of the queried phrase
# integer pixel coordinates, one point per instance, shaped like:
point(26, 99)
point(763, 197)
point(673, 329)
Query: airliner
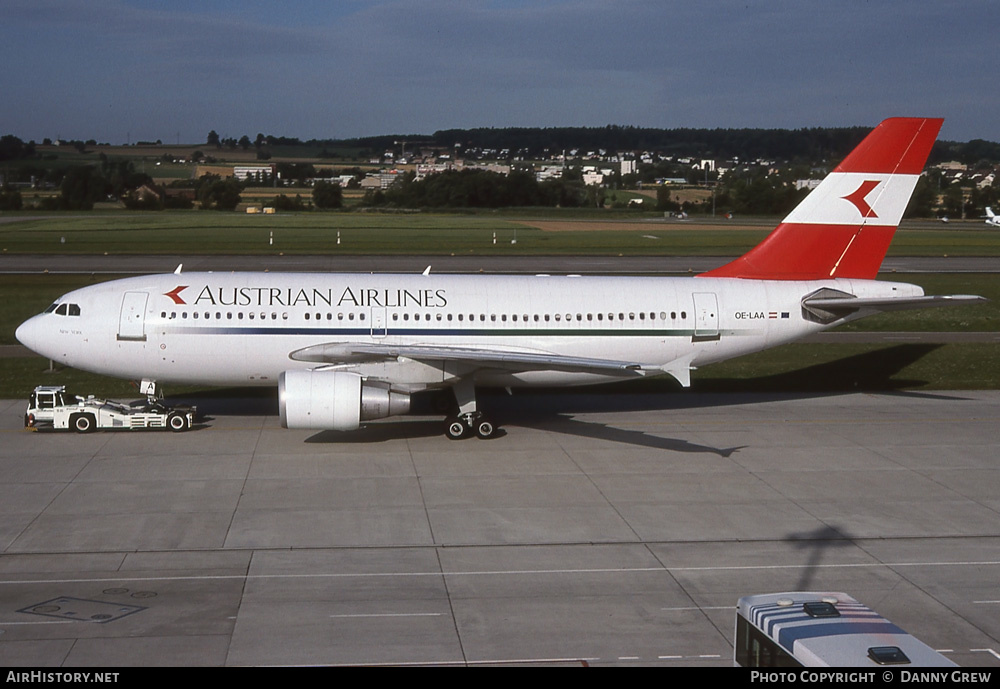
point(346, 348)
point(992, 218)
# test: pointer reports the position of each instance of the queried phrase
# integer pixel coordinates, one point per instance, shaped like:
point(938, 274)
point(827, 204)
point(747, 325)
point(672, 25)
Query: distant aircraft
point(992, 218)
point(345, 348)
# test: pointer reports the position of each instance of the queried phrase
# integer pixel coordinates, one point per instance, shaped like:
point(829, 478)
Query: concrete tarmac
point(598, 529)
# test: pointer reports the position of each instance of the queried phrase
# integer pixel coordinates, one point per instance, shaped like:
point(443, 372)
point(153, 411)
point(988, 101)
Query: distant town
point(682, 171)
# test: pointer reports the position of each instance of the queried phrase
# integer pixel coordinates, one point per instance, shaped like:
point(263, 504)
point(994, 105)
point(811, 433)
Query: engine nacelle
point(334, 400)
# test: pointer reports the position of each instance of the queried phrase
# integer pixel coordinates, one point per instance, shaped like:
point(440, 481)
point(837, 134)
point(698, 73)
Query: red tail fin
point(844, 227)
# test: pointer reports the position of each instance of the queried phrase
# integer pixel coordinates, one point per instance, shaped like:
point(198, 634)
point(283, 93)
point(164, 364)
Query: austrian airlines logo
point(175, 294)
point(857, 197)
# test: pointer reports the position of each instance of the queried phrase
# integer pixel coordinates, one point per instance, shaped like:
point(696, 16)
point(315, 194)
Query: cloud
point(317, 69)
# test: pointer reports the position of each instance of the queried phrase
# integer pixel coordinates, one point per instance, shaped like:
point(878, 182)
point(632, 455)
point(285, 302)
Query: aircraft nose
point(28, 334)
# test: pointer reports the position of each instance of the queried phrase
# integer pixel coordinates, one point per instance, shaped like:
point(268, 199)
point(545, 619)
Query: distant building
point(381, 180)
point(254, 172)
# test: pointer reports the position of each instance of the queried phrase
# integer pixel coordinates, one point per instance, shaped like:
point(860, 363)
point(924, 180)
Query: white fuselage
point(244, 328)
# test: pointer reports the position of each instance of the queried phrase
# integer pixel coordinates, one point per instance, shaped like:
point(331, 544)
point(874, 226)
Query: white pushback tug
point(50, 406)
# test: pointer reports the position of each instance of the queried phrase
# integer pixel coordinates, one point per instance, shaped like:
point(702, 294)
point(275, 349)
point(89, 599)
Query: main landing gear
point(464, 425)
point(468, 421)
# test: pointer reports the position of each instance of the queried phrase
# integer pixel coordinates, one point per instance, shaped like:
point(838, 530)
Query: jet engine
point(334, 400)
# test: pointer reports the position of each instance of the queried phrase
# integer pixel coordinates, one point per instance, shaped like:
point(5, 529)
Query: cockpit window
point(64, 309)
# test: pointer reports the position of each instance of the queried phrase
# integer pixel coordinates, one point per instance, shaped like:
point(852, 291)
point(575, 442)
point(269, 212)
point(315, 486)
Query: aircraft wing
point(474, 359)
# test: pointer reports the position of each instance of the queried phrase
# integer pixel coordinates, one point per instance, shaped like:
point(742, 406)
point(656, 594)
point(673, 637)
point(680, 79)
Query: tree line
point(483, 189)
point(813, 145)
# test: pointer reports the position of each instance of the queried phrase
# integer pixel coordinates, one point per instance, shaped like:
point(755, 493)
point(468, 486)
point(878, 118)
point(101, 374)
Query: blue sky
point(128, 70)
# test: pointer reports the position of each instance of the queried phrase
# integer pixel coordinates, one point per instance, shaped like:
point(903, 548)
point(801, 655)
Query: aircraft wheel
point(84, 423)
point(455, 429)
point(485, 428)
point(178, 422)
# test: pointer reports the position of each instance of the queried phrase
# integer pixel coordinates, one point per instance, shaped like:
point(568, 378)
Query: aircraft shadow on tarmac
point(556, 410)
point(816, 543)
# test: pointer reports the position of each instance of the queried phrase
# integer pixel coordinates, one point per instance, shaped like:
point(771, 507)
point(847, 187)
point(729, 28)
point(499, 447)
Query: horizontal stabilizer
point(827, 306)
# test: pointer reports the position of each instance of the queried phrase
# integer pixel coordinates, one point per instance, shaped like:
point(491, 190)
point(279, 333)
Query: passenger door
point(132, 320)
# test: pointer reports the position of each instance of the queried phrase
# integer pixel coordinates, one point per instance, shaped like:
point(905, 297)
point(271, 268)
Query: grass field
point(203, 232)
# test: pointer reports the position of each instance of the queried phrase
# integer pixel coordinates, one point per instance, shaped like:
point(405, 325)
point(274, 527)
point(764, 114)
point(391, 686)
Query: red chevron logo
point(175, 294)
point(857, 197)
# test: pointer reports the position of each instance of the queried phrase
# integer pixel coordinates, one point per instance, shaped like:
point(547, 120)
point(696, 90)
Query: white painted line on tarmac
point(508, 573)
point(392, 614)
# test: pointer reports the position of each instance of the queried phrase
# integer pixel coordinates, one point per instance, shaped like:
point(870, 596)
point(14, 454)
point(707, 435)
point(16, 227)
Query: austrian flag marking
point(857, 197)
point(175, 294)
